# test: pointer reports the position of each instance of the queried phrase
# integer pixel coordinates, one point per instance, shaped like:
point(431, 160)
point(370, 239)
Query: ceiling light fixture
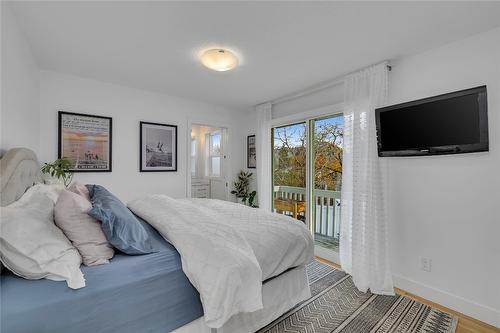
point(219, 60)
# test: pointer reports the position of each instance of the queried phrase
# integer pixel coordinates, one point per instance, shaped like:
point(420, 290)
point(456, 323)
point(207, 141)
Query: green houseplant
point(59, 169)
point(251, 199)
point(242, 187)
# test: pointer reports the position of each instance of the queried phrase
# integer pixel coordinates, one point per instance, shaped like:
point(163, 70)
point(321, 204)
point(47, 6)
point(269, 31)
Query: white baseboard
point(470, 308)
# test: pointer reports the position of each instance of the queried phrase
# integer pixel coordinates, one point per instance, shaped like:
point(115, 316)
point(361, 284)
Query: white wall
point(329, 96)
point(127, 107)
point(248, 126)
point(447, 208)
point(19, 115)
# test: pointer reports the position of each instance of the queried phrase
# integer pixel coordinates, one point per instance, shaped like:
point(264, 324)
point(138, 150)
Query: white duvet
point(227, 249)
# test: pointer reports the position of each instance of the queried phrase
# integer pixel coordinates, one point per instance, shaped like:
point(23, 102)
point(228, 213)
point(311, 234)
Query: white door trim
point(227, 165)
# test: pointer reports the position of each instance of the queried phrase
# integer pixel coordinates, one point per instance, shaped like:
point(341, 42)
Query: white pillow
point(32, 246)
point(52, 191)
point(80, 189)
point(70, 214)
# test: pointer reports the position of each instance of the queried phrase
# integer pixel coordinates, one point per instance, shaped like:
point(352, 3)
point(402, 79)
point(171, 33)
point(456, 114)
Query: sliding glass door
point(326, 137)
point(307, 177)
point(289, 170)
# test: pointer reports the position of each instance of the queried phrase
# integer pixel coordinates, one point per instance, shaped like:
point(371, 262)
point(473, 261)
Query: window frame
point(208, 166)
point(194, 156)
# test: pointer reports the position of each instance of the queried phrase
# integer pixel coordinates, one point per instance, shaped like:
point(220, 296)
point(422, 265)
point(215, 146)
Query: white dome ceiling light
point(219, 60)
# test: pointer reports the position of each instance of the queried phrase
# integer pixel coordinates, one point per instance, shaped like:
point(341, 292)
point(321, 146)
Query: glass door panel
point(307, 178)
point(289, 170)
point(326, 178)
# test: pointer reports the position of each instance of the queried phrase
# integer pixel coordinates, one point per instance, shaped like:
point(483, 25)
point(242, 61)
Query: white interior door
point(218, 164)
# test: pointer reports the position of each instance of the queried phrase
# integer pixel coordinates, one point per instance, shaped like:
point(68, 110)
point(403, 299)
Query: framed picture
point(85, 140)
point(251, 152)
point(158, 147)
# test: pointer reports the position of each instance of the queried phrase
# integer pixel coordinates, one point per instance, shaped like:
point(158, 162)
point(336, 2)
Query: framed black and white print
point(251, 152)
point(85, 140)
point(158, 145)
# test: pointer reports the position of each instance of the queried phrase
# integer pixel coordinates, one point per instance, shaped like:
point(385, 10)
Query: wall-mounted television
point(452, 123)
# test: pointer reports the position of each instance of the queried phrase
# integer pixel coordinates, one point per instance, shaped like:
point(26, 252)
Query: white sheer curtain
point(363, 242)
point(263, 139)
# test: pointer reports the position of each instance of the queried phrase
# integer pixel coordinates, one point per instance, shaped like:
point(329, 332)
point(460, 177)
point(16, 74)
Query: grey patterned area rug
point(338, 306)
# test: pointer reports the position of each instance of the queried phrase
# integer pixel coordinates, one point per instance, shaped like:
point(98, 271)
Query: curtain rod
point(313, 89)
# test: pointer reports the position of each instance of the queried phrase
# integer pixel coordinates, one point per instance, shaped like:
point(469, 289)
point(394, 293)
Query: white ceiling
point(284, 46)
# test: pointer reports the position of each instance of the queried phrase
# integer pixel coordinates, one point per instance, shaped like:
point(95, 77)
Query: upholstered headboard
point(19, 170)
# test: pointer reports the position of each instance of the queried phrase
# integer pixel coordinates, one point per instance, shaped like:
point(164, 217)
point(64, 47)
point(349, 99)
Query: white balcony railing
point(326, 208)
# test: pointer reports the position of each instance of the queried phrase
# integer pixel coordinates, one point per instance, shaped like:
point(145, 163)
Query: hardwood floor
point(466, 324)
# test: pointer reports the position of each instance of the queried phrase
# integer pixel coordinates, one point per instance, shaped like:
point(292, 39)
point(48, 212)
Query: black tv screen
point(452, 123)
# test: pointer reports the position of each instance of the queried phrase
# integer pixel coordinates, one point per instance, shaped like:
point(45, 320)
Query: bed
point(147, 293)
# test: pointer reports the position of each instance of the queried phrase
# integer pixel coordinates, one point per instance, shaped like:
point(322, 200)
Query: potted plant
point(251, 199)
point(242, 188)
point(60, 170)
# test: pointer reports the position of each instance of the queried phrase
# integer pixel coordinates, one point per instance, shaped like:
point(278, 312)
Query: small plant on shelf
point(59, 169)
point(242, 188)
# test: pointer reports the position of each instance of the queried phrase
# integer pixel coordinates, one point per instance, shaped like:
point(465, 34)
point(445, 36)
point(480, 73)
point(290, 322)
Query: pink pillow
point(70, 214)
point(80, 189)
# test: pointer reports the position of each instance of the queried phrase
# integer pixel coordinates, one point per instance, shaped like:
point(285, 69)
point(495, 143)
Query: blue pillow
point(122, 228)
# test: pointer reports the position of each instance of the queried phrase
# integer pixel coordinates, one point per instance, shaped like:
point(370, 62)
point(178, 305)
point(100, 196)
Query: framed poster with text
point(85, 140)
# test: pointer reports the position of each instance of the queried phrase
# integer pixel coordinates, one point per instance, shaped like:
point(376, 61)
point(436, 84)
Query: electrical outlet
point(426, 264)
